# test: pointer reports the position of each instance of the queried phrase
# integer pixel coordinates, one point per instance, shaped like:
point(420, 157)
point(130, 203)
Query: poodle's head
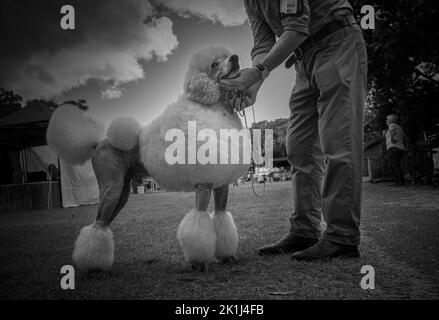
point(206, 67)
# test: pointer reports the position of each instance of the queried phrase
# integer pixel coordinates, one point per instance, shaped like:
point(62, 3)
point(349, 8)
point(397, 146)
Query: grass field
point(400, 240)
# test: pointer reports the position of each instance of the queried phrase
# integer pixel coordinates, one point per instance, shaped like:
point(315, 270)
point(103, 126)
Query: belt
point(335, 25)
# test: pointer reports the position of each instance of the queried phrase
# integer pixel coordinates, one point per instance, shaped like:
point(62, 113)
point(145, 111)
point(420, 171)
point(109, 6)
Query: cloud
point(39, 59)
point(112, 92)
point(226, 12)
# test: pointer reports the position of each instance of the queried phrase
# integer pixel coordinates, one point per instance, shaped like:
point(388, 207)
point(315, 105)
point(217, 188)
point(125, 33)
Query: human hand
point(246, 78)
point(239, 100)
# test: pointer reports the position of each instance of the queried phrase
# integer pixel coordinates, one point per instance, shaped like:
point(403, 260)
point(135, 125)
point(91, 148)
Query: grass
point(399, 239)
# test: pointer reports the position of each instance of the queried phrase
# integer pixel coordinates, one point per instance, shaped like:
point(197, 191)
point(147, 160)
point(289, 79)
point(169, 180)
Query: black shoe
point(289, 244)
point(325, 250)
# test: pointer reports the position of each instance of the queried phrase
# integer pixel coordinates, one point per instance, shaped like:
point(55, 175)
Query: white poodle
point(130, 151)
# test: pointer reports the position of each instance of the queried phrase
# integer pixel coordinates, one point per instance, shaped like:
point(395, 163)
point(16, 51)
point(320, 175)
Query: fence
point(30, 196)
point(379, 168)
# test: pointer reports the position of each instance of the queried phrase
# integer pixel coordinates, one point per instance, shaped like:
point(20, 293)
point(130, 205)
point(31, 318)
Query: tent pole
point(59, 182)
point(25, 164)
point(21, 157)
point(49, 198)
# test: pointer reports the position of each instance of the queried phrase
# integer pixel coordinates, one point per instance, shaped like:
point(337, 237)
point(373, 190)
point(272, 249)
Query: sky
point(125, 57)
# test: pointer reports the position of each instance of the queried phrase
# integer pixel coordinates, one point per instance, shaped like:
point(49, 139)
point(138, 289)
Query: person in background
point(395, 148)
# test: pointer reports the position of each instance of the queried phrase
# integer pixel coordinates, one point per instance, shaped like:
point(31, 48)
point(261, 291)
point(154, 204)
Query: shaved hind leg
point(94, 247)
point(114, 170)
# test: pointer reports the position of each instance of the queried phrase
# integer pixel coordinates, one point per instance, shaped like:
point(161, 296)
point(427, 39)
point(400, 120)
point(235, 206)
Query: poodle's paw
point(94, 249)
point(196, 237)
point(226, 236)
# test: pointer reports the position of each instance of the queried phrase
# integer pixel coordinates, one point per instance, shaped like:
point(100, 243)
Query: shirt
point(266, 23)
point(395, 137)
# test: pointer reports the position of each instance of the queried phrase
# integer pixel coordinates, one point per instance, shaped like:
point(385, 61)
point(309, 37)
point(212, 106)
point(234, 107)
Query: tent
point(26, 127)
point(24, 132)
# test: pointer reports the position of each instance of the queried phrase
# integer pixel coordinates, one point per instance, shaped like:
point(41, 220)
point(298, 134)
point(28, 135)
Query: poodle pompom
point(72, 135)
point(94, 249)
point(123, 133)
point(226, 235)
point(197, 237)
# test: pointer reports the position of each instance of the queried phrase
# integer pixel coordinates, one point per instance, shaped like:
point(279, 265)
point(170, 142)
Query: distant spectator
point(395, 148)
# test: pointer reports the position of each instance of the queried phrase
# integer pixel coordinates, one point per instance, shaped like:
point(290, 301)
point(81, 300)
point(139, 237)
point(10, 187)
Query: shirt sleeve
point(263, 37)
point(298, 23)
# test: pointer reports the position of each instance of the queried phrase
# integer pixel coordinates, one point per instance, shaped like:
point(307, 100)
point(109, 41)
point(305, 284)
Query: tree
point(403, 62)
point(279, 127)
point(9, 102)
point(80, 103)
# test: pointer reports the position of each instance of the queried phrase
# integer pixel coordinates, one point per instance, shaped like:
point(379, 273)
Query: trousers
point(395, 155)
point(325, 137)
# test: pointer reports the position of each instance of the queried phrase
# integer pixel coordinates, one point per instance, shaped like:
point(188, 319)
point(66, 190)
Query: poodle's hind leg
point(94, 247)
point(225, 228)
point(196, 234)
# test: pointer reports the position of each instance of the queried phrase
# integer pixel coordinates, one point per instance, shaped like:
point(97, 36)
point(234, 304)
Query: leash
point(243, 115)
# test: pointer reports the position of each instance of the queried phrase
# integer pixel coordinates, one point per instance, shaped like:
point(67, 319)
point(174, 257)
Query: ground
point(399, 240)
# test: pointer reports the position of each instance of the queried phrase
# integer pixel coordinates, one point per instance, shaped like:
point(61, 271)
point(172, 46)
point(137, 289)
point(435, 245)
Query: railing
point(379, 168)
point(30, 196)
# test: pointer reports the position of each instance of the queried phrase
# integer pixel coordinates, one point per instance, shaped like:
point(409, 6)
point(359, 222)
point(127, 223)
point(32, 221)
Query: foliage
point(403, 54)
point(9, 102)
point(279, 127)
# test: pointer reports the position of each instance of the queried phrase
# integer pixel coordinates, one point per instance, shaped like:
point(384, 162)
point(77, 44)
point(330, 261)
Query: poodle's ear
point(201, 88)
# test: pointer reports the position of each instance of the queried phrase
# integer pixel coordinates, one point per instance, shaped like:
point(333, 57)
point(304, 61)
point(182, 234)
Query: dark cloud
point(38, 58)
point(226, 12)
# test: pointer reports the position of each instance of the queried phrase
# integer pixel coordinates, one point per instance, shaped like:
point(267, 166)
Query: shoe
point(326, 250)
point(289, 244)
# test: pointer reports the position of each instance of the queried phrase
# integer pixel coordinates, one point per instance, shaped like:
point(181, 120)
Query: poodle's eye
point(214, 65)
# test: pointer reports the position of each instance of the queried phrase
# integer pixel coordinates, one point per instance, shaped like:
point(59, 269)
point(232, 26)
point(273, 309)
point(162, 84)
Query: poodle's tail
point(123, 133)
point(72, 135)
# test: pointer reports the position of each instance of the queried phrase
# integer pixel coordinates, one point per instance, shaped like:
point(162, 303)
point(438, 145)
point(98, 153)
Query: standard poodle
point(129, 151)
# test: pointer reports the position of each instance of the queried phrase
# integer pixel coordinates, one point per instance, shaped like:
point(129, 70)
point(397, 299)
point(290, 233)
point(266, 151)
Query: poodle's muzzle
point(229, 68)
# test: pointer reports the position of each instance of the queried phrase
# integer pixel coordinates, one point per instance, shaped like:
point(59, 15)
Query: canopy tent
point(78, 183)
point(25, 131)
point(26, 127)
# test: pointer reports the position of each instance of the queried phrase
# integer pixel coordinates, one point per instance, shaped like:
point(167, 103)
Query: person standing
point(395, 148)
point(326, 119)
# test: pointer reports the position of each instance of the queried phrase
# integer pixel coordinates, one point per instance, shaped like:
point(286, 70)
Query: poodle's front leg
point(225, 228)
point(196, 234)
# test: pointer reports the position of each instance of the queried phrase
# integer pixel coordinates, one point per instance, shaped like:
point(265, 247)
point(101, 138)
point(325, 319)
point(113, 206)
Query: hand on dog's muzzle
point(246, 78)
